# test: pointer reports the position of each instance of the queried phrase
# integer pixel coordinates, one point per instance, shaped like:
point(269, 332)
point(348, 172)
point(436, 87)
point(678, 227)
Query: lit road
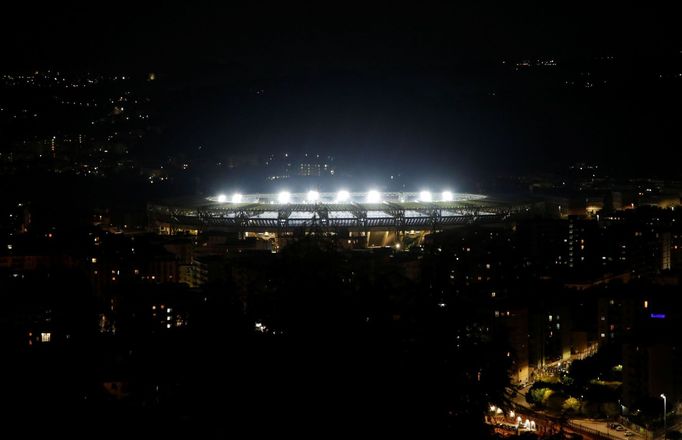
point(549, 424)
point(602, 428)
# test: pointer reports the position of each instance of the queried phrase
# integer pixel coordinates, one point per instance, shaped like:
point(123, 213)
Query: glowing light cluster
point(373, 196)
point(284, 197)
point(425, 196)
point(313, 196)
point(342, 196)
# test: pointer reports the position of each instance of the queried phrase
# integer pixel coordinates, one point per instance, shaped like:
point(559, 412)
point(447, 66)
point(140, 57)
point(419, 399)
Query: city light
point(283, 197)
point(425, 196)
point(447, 196)
point(313, 196)
point(342, 196)
point(665, 411)
point(373, 196)
point(222, 198)
point(236, 198)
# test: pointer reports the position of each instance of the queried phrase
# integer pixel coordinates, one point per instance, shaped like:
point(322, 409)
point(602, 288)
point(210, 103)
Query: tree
point(571, 405)
point(611, 409)
point(555, 401)
point(539, 396)
point(675, 435)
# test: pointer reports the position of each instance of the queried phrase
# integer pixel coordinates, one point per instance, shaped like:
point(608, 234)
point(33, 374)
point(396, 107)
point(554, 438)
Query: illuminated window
point(45, 337)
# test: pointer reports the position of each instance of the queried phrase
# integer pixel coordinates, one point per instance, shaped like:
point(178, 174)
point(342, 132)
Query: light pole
point(665, 409)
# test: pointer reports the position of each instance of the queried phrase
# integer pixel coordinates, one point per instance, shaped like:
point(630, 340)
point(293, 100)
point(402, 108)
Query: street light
point(665, 408)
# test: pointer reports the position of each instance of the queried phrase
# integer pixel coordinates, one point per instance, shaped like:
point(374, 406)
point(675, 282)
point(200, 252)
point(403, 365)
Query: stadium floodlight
point(342, 196)
point(284, 197)
point(222, 198)
point(373, 196)
point(237, 198)
point(447, 196)
point(425, 196)
point(313, 196)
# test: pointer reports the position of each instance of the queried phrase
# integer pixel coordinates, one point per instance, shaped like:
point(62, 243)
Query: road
point(602, 427)
point(550, 425)
point(592, 428)
point(586, 427)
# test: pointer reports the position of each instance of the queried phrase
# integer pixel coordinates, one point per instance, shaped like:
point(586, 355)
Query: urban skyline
point(446, 220)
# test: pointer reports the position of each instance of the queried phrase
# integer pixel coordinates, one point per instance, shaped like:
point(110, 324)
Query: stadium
point(377, 218)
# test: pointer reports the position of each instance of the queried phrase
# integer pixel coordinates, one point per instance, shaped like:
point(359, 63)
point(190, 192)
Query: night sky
point(140, 291)
point(428, 89)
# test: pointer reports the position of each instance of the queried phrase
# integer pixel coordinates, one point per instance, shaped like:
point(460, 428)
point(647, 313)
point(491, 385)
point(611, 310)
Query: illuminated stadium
point(348, 214)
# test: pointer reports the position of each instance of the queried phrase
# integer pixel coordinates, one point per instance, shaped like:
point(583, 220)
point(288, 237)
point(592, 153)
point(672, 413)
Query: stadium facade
point(388, 215)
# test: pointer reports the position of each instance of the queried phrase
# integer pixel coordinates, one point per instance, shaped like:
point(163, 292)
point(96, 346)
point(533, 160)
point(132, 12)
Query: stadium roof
point(388, 210)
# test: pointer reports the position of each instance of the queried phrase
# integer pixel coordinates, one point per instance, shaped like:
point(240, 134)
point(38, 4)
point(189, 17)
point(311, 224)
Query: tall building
point(666, 245)
point(515, 325)
point(652, 354)
point(549, 335)
point(309, 169)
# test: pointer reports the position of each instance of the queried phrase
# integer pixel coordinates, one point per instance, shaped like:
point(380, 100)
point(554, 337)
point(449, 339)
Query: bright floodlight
point(222, 198)
point(283, 197)
point(373, 196)
point(342, 196)
point(425, 196)
point(447, 196)
point(236, 198)
point(313, 196)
